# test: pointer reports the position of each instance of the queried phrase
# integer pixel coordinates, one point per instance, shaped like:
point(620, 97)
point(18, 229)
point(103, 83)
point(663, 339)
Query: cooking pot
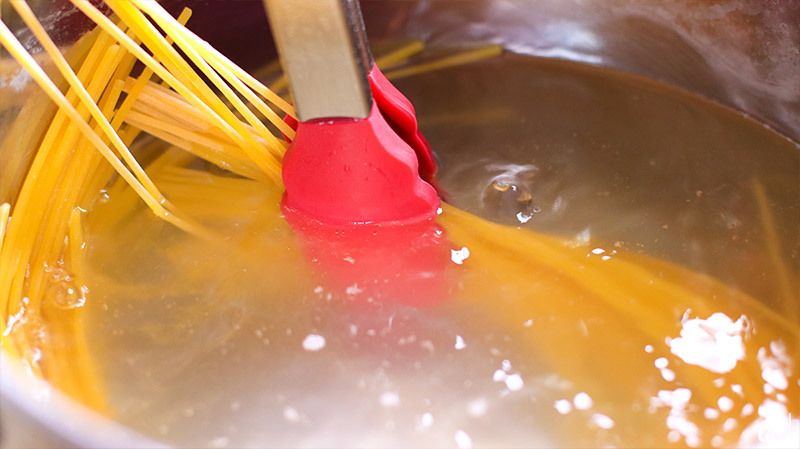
point(744, 54)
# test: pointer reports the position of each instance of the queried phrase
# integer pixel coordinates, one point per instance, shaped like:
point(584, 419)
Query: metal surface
point(323, 50)
point(33, 414)
point(741, 53)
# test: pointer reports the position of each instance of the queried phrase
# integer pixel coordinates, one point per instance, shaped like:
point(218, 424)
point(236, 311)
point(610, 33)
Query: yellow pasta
point(198, 108)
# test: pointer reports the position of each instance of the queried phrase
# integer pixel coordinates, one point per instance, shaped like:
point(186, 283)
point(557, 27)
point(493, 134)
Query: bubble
point(509, 194)
point(582, 401)
point(426, 420)
point(389, 399)
point(463, 440)
point(602, 421)
point(460, 344)
point(563, 406)
point(291, 414)
point(514, 382)
point(66, 292)
point(313, 342)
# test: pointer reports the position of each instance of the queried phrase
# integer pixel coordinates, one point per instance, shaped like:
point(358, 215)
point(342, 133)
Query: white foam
point(725, 403)
point(353, 290)
point(499, 376)
point(775, 377)
point(582, 401)
point(711, 413)
point(514, 382)
point(463, 440)
point(313, 342)
point(460, 343)
point(602, 421)
point(458, 256)
point(668, 374)
point(477, 407)
point(677, 421)
point(563, 406)
point(390, 399)
point(715, 343)
point(506, 364)
point(291, 414)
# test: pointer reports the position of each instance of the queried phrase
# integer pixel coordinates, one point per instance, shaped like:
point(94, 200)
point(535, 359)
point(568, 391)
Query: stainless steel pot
point(744, 54)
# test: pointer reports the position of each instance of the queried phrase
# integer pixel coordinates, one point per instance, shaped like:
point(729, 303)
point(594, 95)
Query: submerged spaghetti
point(214, 157)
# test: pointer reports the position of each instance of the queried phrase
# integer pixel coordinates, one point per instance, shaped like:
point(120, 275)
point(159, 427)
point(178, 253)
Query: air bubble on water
point(602, 421)
point(582, 401)
point(514, 382)
point(581, 239)
point(477, 407)
point(353, 290)
point(506, 364)
point(725, 403)
point(673, 436)
point(509, 193)
point(313, 342)
point(458, 256)
point(426, 420)
point(390, 399)
point(563, 406)
point(558, 204)
point(499, 376)
point(37, 356)
point(68, 293)
point(17, 318)
point(460, 344)
point(291, 414)
point(729, 425)
point(668, 374)
point(463, 440)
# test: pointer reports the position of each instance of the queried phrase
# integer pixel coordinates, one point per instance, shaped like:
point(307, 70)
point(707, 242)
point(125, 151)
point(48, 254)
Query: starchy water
point(598, 323)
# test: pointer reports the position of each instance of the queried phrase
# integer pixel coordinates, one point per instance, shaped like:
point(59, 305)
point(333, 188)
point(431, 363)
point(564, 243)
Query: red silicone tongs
point(358, 156)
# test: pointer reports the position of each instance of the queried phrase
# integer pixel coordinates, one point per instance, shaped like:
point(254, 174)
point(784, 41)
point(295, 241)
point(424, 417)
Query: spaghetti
point(201, 108)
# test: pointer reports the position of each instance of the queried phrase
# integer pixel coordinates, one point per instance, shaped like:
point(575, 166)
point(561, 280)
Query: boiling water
point(270, 339)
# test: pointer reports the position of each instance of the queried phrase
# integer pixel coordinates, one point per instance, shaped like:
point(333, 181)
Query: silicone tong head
point(399, 113)
point(361, 171)
point(358, 156)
